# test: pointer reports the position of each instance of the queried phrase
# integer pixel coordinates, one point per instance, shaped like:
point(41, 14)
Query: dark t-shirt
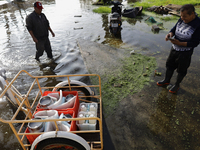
point(38, 24)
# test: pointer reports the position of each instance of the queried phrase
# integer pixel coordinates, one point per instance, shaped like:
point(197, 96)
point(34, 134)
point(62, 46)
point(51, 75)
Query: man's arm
point(195, 38)
point(177, 42)
point(33, 37)
point(29, 28)
point(51, 31)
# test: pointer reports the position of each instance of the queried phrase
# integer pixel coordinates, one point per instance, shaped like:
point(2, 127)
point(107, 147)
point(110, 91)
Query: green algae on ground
point(135, 72)
point(102, 9)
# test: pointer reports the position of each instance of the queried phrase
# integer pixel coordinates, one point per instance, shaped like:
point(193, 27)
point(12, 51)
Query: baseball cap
point(38, 5)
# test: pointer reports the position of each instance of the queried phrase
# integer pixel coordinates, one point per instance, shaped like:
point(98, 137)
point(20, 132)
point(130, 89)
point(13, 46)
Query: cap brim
point(40, 8)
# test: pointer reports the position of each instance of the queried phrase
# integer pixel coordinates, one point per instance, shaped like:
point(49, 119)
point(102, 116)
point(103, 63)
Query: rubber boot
point(168, 76)
point(175, 88)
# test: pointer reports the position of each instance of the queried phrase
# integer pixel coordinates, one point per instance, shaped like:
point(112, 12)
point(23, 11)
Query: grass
point(168, 18)
point(102, 9)
point(197, 9)
point(149, 3)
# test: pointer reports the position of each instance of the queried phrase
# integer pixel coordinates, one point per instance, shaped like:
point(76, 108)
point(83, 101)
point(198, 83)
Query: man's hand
point(169, 35)
point(53, 34)
point(174, 41)
point(35, 40)
point(51, 31)
point(177, 42)
point(33, 37)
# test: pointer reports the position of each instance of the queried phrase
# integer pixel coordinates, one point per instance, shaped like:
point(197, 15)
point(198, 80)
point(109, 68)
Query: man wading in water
point(186, 35)
point(38, 27)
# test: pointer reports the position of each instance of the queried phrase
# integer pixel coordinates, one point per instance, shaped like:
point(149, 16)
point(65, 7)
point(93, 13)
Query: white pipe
point(59, 102)
point(64, 83)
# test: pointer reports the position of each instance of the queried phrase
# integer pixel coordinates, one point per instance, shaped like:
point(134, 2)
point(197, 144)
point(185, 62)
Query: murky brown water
point(172, 121)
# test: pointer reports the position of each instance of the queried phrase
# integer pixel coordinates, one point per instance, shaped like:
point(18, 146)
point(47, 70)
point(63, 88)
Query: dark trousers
point(179, 60)
point(43, 45)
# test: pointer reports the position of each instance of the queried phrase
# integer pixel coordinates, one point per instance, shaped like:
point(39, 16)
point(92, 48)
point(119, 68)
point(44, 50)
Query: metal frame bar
point(24, 101)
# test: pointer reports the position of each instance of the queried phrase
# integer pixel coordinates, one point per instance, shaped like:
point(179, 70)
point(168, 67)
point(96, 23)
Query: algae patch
point(135, 72)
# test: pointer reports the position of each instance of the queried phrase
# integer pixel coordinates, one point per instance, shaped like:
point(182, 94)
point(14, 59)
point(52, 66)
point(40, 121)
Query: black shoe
point(162, 83)
point(51, 59)
point(174, 89)
point(167, 78)
point(37, 59)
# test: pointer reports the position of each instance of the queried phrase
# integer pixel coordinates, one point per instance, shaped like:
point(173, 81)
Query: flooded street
point(152, 119)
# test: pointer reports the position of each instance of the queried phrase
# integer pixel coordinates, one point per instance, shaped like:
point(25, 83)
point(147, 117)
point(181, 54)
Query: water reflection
point(109, 37)
point(105, 25)
point(133, 21)
point(21, 7)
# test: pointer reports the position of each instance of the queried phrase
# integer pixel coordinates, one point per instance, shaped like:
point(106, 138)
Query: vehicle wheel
point(59, 144)
point(82, 91)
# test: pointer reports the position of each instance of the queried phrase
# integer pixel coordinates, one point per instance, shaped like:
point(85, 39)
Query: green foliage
point(145, 5)
point(169, 18)
point(150, 3)
point(197, 10)
point(102, 9)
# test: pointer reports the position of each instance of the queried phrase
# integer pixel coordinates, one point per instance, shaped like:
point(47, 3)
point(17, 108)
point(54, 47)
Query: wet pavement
point(150, 119)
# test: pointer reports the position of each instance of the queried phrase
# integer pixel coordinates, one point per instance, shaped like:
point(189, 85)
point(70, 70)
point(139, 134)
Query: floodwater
point(175, 121)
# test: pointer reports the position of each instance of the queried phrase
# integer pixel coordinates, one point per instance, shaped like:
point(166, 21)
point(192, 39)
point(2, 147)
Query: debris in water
point(177, 122)
point(151, 19)
point(192, 112)
point(78, 28)
point(157, 73)
point(145, 74)
point(78, 16)
point(132, 52)
point(155, 28)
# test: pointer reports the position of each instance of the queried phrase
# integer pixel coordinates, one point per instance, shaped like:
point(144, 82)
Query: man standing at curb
point(38, 27)
point(184, 36)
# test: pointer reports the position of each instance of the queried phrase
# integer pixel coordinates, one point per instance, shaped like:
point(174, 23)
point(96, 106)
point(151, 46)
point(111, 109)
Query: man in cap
point(38, 27)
